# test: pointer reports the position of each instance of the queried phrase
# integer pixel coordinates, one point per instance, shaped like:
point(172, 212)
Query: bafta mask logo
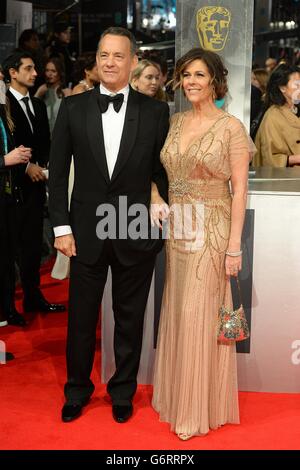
point(213, 27)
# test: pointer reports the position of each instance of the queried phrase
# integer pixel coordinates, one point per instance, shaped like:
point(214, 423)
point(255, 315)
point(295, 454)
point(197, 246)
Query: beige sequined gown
point(195, 378)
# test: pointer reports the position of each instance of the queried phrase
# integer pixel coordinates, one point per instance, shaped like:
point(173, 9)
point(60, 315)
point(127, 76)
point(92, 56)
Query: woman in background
point(145, 78)
point(278, 137)
point(259, 80)
point(85, 73)
point(13, 163)
point(54, 89)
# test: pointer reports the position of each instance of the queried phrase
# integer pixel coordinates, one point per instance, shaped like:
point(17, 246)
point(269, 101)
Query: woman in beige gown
point(195, 378)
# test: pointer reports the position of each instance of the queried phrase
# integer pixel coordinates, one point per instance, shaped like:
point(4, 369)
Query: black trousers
point(7, 248)
point(130, 289)
point(29, 241)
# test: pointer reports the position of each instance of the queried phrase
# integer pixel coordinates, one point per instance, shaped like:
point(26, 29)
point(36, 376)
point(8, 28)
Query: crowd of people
point(104, 139)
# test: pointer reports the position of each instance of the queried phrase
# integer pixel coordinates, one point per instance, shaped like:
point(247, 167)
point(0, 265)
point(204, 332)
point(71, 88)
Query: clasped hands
point(18, 156)
point(159, 209)
point(22, 155)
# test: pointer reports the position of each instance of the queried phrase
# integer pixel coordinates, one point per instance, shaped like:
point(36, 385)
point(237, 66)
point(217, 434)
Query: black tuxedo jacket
point(38, 141)
point(78, 132)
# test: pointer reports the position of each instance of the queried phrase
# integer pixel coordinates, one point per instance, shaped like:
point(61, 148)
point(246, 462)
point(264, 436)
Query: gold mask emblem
point(213, 27)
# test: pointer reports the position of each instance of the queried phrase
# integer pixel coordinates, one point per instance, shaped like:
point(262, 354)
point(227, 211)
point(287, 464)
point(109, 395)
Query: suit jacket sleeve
point(44, 135)
point(159, 175)
point(59, 168)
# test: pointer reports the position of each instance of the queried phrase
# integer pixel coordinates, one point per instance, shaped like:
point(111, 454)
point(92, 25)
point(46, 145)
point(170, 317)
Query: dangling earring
point(214, 94)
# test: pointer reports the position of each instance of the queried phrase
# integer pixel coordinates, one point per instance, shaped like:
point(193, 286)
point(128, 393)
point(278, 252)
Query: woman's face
point(51, 74)
point(291, 91)
point(254, 81)
point(196, 82)
point(149, 81)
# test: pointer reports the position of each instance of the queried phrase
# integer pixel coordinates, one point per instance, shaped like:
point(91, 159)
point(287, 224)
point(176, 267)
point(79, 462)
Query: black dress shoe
point(44, 306)
point(15, 318)
point(122, 413)
point(9, 356)
point(71, 411)
point(5, 357)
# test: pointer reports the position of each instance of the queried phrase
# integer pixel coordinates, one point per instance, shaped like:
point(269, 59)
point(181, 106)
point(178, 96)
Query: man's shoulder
point(37, 102)
point(148, 101)
point(79, 98)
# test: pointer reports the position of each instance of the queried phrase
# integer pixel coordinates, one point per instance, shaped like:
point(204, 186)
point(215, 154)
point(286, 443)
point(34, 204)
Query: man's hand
point(35, 173)
point(66, 245)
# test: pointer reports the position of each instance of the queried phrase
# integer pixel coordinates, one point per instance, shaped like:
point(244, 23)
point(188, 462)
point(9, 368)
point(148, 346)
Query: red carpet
point(31, 392)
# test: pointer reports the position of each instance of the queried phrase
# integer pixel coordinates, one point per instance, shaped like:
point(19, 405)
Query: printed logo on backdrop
point(213, 27)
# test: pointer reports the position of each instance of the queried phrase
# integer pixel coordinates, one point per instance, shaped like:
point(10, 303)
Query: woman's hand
point(293, 160)
point(18, 155)
point(233, 264)
point(159, 209)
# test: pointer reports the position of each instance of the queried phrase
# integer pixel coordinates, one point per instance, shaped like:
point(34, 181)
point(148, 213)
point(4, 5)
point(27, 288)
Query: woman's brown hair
point(215, 66)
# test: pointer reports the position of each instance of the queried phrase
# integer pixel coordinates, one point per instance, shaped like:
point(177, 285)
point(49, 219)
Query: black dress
point(8, 197)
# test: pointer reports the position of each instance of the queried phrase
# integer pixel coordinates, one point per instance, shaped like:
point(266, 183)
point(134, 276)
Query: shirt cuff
point(62, 230)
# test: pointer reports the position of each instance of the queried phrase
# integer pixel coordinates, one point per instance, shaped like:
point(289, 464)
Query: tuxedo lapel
point(95, 133)
point(129, 132)
point(18, 115)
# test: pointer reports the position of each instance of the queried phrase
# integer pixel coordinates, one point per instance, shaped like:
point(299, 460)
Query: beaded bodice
point(199, 192)
point(203, 170)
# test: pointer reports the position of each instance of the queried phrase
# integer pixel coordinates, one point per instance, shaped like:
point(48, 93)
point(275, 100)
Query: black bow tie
point(116, 100)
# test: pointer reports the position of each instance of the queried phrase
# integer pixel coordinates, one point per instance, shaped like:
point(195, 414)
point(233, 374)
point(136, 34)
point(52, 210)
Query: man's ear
point(12, 73)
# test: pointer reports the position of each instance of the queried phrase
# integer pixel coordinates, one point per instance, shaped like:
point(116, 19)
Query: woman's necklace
point(294, 109)
point(86, 85)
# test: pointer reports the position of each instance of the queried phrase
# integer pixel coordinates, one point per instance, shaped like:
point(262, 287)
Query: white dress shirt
point(112, 123)
point(19, 98)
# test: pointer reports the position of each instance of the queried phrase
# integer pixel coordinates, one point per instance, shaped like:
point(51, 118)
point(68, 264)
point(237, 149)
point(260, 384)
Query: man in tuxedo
point(31, 129)
point(115, 135)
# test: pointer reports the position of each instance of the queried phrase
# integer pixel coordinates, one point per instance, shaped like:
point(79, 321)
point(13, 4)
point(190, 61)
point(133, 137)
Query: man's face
point(65, 36)
point(33, 43)
point(213, 27)
point(26, 74)
point(115, 62)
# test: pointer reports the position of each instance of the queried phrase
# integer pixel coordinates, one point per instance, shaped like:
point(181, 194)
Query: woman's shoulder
point(272, 117)
point(79, 88)
point(234, 123)
point(176, 117)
